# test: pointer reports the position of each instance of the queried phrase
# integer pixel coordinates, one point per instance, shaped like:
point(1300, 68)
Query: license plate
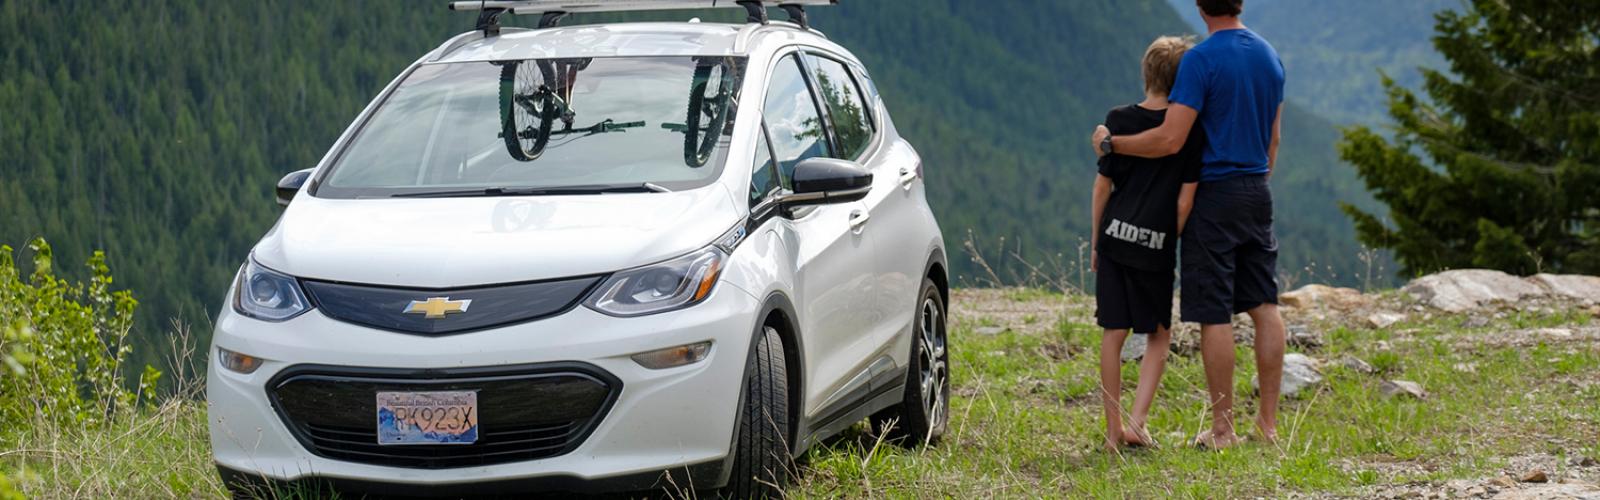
point(409, 418)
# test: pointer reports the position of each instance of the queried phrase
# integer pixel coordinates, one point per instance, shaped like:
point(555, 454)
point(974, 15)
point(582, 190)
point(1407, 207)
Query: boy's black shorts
point(1230, 256)
point(1130, 298)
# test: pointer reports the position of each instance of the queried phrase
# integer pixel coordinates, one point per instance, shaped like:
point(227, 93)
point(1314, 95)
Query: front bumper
point(661, 420)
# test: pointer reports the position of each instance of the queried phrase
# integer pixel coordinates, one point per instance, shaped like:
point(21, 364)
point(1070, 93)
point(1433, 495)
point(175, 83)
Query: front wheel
point(923, 414)
point(761, 461)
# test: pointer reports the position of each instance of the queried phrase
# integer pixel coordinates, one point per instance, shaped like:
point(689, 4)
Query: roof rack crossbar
point(552, 11)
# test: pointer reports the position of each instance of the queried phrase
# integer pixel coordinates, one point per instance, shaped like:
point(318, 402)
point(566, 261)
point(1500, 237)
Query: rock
point(1595, 311)
point(1464, 290)
point(1503, 482)
point(1385, 319)
point(1133, 349)
point(1554, 332)
point(1581, 491)
point(1299, 372)
point(1402, 388)
point(1588, 462)
point(1357, 365)
point(1535, 476)
point(1584, 289)
point(1302, 336)
point(1311, 296)
point(1475, 322)
point(990, 330)
point(1477, 491)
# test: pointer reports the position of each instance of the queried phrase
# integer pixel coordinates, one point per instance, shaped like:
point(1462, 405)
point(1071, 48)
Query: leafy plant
point(64, 343)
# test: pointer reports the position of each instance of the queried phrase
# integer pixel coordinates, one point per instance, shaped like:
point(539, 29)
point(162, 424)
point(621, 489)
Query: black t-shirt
point(1140, 223)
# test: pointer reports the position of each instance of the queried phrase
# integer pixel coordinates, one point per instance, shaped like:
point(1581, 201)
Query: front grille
point(489, 306)
point(525, 413)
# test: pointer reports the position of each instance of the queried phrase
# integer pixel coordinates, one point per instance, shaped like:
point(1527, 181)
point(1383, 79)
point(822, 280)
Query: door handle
point(907, 176)
point(858, 219)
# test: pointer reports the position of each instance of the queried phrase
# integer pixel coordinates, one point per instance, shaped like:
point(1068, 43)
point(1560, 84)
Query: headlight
point(268, 295)
point(670, 285)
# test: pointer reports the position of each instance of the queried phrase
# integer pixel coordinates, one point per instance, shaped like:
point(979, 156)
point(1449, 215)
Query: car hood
point(456, 242)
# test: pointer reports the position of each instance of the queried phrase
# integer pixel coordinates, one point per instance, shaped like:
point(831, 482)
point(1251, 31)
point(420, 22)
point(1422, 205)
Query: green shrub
point(7, 491)
point(62, 344)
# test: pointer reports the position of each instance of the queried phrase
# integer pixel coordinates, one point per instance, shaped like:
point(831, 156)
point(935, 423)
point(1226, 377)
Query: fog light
point(673, 356)
point(242, 363)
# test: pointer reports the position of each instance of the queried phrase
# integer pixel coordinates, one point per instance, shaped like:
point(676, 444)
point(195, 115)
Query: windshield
point(545, 126)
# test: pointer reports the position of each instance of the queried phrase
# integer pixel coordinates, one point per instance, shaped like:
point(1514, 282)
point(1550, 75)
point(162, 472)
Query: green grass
point(1028, 424)
point(1027, 421)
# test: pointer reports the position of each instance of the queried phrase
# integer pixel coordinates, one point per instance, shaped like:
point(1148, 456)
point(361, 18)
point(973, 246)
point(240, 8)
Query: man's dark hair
point(1221, 8)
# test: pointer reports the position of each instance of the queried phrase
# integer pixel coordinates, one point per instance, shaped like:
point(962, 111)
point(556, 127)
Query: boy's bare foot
point(1138, 437)
point(1113, 447)
point(1210, 441)
point(1267, 432)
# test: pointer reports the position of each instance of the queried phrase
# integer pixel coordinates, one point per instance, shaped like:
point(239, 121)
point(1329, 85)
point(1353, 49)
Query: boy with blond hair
point(1140, 206)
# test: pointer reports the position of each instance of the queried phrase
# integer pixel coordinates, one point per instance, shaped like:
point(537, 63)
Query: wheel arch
point(938, 271)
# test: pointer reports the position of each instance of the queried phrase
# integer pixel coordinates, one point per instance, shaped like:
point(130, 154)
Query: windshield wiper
point(535, 191)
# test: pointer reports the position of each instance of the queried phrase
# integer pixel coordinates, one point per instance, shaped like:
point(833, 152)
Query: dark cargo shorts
point(1229, 254)
point(1129, 298)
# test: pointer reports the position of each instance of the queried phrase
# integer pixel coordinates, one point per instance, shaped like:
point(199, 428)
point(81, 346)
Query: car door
point(832, 260)
point(889, 208)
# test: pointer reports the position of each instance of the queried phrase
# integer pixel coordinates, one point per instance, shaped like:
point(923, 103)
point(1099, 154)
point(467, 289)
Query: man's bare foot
point(1267, 431)
point(1138, 437)
point(1209, 441)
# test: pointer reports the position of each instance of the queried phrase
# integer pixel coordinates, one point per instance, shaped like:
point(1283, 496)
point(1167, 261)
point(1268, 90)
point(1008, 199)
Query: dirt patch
point(1536, 476)
point(991, 311)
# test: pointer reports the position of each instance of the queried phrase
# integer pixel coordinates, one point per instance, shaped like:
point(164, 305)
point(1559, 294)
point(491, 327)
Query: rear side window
point(846, 107)
point(793, 119)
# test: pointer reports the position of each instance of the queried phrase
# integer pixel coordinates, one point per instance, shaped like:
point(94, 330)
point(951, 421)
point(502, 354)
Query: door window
point(847, 110)
point(793, 119)
point(763, 177)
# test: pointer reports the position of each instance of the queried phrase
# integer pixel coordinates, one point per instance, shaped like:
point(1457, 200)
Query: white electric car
point(590, 258)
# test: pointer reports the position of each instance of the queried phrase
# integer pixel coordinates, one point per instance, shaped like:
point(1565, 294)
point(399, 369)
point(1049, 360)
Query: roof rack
point(552, 11)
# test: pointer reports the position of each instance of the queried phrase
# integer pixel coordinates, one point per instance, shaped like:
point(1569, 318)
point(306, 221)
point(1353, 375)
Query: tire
point(761, 462)
point(703, 132)
point(518, 81)
point(923, 415)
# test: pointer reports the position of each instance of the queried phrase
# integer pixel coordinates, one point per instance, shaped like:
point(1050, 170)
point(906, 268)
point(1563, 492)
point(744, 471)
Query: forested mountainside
point(155, 130)
point(1335, 50)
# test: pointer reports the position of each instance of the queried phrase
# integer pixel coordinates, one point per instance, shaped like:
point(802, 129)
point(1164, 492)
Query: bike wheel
point(526, 110)
point(708, 114)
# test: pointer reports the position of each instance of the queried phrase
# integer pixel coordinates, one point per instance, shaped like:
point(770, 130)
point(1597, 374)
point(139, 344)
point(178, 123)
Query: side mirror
point(824, 181)
point(290, 185)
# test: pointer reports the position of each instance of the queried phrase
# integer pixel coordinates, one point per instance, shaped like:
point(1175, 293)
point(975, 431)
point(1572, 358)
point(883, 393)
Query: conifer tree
point(1512, 137)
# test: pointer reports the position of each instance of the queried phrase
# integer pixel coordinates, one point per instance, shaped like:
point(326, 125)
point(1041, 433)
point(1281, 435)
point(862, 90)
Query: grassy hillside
point(1507, 396)
point(1334, 50)
point(155, 130)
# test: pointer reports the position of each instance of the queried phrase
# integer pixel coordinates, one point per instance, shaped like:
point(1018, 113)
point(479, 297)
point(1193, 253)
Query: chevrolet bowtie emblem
point(437, 307)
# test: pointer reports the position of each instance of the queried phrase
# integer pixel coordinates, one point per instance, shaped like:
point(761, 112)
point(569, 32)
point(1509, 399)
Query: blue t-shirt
point(1234, 80)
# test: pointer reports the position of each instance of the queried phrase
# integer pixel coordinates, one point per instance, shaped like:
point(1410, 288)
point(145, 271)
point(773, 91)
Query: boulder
point(1383, 320)
point(1302, 336)
point(1357, 365)
point(1133, 349)
point(1464, 290)
point(1583, 289)
point(1402, 388)
point(1535, 476)
point(1299, 372)
point(1310, 296)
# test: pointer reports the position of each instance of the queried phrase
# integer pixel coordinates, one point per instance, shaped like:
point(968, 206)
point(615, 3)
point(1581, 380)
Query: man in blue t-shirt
point(1231, 85)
